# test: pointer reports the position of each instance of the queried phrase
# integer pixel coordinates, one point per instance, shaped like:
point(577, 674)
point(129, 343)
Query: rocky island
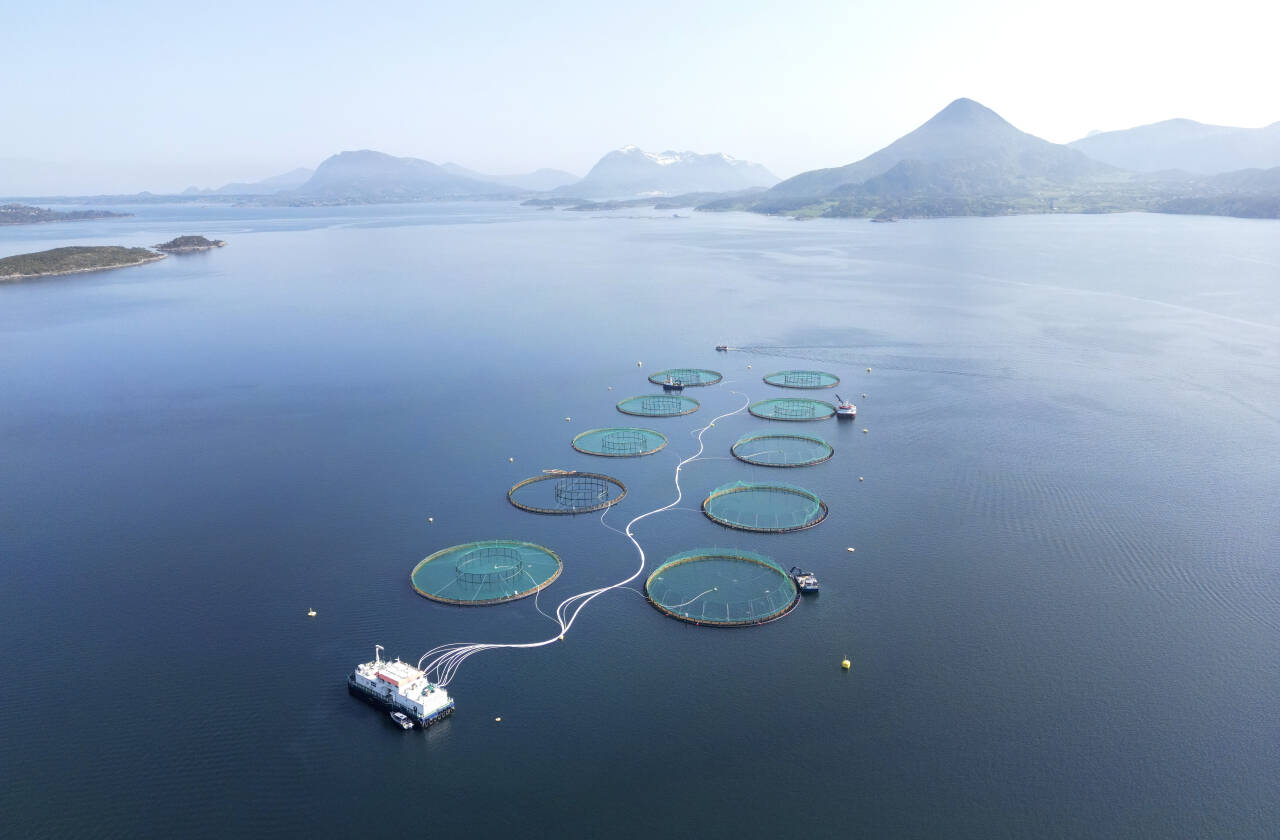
point(24, 214)
point(186, 244)
point(73, 260)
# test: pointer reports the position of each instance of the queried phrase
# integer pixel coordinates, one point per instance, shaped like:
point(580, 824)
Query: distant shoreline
point(18, 278)
point(26, 214)
point(66, 221)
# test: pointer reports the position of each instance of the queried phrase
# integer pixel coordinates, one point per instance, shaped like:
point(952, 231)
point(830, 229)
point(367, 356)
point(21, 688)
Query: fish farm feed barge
point(805, 581)
point(399, 687)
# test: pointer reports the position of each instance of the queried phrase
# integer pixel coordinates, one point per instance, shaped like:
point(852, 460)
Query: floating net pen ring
point(810, 379)
point(659, 405)
point(782, 450)
point(565, 491)
point(770, 507)
point(486, 572)
point(688, 377)
point(619, 442)
point(792, 408)
point(722, 588)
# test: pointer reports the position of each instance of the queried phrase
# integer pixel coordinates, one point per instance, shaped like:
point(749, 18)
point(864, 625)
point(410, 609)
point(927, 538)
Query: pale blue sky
point(156, 95)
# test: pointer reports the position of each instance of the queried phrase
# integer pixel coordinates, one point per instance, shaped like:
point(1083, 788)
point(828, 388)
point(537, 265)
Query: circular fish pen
point(764, 506)
point(563, 491)
point(486, 572)
point(619, 442)
point(722, 588)
point(792, 408)
point(688, 377)
point(658, 405)
point(802, 379)
point(782, 450)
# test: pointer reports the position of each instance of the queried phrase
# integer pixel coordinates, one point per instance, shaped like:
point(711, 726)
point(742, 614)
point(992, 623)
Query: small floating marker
point(868, 370)
point(864, 396)
point(864, 431)
point(748, 367)
point(311, 613)
point(845, 664)
point(511, 460)
point(562, 637)
point(498, 719)
point(431, 519)
point(859, 478)
point(567, 419)
point(639, 364)
point(850, 548)
point(610, 387)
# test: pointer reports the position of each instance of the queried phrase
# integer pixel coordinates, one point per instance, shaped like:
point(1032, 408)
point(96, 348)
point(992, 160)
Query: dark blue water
point(1063, 612)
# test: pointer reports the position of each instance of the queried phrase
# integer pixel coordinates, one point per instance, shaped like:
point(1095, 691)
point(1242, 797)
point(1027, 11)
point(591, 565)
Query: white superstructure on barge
point(400, 687)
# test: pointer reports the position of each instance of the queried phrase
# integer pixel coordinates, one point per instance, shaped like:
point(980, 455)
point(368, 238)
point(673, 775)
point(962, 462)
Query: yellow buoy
point(868, 370)
point(431, 519)
point(748, 367)
point(846, 664)
point(511, 460)
point(498, 719)
point(311, 613)
point(864, 431)
point(859, 478)
point(639, 364)
point(562, 637)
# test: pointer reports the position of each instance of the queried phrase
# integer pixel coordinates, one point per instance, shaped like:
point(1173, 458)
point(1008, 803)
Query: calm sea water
point(1063, 612)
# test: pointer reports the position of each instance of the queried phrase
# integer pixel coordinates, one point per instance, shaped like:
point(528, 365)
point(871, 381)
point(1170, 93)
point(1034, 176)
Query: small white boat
point(402, 720)
point(844, 408)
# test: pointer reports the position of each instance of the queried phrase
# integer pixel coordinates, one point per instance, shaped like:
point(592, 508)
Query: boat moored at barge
point(806, 582)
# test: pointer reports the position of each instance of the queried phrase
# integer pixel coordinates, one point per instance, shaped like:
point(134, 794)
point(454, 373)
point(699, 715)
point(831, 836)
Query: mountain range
point(631, 171)
point(967, 160)
point(963, 137)
point(367, 176)
point(1185, 145)
point(540, 180)
point(267, 186)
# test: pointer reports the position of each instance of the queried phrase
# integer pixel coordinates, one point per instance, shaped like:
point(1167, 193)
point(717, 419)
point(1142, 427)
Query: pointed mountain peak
point(967, 111)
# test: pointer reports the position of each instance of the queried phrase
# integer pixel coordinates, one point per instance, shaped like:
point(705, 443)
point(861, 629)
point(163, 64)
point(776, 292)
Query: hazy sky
point(156, 95)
